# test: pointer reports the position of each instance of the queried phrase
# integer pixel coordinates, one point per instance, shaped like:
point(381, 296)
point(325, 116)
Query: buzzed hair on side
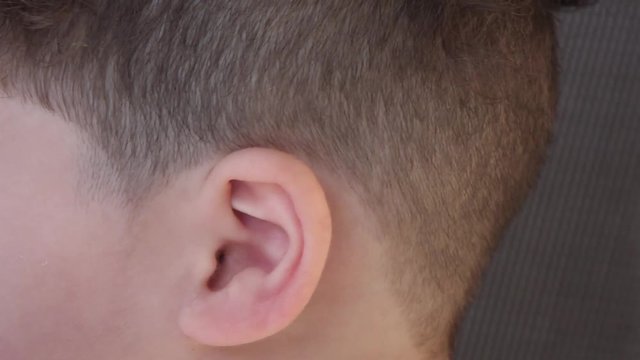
point(437, 113)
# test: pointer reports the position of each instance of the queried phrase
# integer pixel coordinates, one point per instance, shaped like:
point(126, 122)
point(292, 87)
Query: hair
point(436, 113)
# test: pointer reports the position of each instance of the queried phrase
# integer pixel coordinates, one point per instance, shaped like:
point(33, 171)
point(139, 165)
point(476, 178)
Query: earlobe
point(267, 257)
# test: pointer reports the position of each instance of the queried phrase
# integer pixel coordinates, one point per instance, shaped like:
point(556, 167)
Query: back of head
point(435, 113)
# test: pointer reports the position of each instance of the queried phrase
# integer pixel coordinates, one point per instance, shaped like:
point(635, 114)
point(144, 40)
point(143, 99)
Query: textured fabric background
point(565, 283)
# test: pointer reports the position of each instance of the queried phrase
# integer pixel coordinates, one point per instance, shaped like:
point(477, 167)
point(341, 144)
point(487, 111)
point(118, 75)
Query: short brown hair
point(436, 112)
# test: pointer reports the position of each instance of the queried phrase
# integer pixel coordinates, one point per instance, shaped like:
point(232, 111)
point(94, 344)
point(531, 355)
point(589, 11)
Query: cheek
point(64, 288)
point(59, 259)
point(53, 280)
point(33, 191)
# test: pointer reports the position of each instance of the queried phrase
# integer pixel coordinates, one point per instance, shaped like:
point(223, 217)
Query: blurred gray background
point(565, 282)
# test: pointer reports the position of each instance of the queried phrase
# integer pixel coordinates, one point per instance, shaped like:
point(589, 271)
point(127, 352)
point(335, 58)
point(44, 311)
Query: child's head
point(185, 179)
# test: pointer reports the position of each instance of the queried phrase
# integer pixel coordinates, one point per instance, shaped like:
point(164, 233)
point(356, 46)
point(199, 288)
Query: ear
point(269, 232)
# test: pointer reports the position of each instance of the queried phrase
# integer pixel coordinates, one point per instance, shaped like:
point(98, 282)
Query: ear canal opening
point(214, 281)
point(262, 250)
point(233, 258)
point(258, 252)
point(220, 257)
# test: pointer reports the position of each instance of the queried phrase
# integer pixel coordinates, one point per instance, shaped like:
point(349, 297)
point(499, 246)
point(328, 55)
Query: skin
point(86, 279)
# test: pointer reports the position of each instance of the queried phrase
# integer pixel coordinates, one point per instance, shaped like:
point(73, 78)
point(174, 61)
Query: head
point(260, 180)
